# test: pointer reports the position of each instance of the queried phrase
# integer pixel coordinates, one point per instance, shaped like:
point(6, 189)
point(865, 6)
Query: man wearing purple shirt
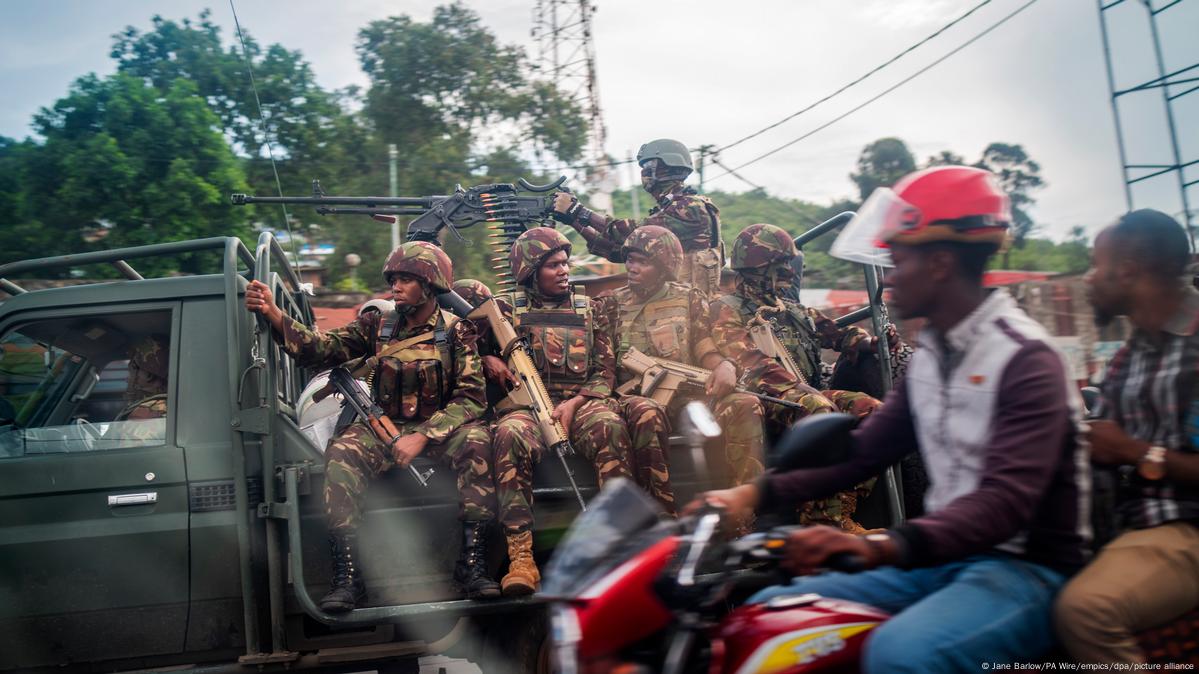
point(987, 403)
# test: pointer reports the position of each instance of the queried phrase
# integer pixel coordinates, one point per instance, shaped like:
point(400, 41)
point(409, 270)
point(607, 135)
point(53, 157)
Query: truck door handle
point(143, 498)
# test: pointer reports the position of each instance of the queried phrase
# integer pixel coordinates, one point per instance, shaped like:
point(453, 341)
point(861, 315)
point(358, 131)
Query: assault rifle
point(661, 379)
point(510, 207)
point(381, 425)
point(761, 332)
point(530, 392)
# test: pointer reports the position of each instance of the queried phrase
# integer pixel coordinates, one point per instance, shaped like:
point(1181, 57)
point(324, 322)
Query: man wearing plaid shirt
point(1149, 431)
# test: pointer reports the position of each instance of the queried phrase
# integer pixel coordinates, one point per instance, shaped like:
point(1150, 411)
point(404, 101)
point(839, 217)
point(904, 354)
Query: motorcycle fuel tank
point(789, 635)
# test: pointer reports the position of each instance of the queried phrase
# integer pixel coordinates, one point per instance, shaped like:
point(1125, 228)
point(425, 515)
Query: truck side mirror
point(814, 442)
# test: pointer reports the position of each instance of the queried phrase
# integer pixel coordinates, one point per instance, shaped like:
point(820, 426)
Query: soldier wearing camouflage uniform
point(146, 388)
point(762, 258)
point(693, 218)
point(663, 318)
point(570, 345)
point(423, 369)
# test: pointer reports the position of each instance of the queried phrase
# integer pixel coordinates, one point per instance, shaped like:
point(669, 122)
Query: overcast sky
point(710, 72)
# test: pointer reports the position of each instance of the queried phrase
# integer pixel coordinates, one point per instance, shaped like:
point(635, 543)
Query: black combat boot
point(347, 588)
point(471, 570)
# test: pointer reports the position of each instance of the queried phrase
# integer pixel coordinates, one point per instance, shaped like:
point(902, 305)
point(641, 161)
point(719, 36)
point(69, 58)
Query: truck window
point(81, 384)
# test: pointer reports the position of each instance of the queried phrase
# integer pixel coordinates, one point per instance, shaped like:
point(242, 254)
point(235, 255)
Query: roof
point(1007, 277)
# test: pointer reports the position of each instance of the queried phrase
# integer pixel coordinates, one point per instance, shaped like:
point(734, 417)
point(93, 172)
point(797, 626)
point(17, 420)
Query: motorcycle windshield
point(619, 523)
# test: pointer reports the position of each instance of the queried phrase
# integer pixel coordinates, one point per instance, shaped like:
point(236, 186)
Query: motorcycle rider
point(987, 402)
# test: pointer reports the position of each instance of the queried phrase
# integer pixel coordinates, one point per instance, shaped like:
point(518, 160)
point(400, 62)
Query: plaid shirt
point(1152, 392)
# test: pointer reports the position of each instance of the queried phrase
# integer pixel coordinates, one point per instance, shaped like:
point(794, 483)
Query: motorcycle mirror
point(813, 442)
point(698, 426)
point(1090, 398)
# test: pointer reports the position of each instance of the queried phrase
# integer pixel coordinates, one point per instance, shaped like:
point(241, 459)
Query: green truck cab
point(197, 539)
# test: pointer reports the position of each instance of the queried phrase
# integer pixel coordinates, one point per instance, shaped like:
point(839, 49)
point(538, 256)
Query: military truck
point(198, 538)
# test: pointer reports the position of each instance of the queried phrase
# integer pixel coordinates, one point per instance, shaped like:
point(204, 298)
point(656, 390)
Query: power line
point(792, 206)
point(886, 91)
point(874, 70)
point(265, 135)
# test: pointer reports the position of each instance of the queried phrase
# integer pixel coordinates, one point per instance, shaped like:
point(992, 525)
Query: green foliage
point(881, 163)
point(127, 164)
point(351, 284)
point(1019, 175)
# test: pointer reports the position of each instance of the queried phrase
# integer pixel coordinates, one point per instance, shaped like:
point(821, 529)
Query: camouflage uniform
point(570, 345)
point(145, 395)
point(761, 256)
point(691, 217)
point(673, 323)
point(428, 379)
point(405, 386)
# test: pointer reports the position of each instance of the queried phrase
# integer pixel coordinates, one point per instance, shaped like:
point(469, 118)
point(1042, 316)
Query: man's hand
point(260, 300)
point(810, 548)
point(566, 209)
point(407, 448)
point(722, 381)
point(1111, 445)
point(565, 411)
point(497, 372)
point(563, 201)
point(738, 503)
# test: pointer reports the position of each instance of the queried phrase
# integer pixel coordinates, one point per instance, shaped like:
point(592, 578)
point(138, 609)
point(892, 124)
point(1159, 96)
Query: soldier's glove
point(574, 214)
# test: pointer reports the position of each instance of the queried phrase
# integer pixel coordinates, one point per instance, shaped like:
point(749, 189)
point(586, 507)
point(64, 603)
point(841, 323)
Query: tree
point(125, 164)
point(881, 163)
point(946, 158)
point(452, 79)
point(310, 129)
point(1019, 175)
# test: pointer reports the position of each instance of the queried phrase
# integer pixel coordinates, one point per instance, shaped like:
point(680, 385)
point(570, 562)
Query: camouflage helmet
point(423, 260)
point(149, 354)
point(660, 245)
point(475, 292)
point(670, 152)
point(531, 249)
point(761, 245)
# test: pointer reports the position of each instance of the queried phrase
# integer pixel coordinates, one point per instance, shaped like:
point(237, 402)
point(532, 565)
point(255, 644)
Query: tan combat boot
point(523, 577)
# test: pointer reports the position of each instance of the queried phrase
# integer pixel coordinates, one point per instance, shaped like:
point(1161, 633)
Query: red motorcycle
point(634, 592)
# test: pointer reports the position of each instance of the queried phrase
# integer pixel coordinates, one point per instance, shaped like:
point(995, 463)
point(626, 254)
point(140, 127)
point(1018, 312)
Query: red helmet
point(943, 203)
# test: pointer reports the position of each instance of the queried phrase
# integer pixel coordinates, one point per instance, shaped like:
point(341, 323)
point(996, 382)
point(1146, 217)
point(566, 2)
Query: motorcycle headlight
point(565, 632)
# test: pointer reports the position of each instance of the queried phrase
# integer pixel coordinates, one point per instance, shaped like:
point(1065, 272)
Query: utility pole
point(392, 156)
point(633, 184)
point(704, 151)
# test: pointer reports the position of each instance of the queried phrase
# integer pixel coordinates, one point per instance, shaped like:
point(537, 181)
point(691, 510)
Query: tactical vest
point(661, 327)
point(413, 378)
point(689, 244)
point(560, 340)
point(793, 327)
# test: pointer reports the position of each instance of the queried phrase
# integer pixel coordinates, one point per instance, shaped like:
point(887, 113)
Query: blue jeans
point(949, 618)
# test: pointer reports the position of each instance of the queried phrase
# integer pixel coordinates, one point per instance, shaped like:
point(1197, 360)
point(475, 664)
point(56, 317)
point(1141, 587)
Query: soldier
point(146, 389)
point(570, 345)
point(693, 218)
point(424, 370)
point(762, 257)
point(663, 318)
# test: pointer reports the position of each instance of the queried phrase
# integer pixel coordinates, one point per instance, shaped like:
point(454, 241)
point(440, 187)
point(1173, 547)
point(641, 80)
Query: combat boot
point(347, 589)
point(523, 577)
point(471, 570)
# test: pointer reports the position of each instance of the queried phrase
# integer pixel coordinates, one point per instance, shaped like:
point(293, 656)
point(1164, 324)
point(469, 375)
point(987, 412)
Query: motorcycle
point(633, 592)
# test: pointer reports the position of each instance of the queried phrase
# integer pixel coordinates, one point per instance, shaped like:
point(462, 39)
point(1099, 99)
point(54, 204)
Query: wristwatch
point(1152, 465)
